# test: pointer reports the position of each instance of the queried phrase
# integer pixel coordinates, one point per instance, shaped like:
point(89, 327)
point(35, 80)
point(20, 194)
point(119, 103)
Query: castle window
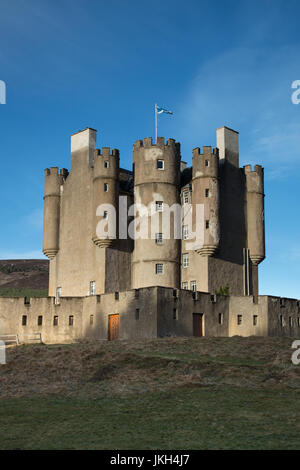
point(137, 313)
point(185, 232)
point(239, 319)
point(159, 206)
point(158, 238)
point(105, 215)
point(24, 320)
point(175, 314)
point(160, 164)
point(91, 319)
point(55, 320)
point(105, 187)
point(221, 318)
point(71, 320)
point(40, 320)
point(116, 295)
point(58, 295)
point(281, 321)
point(207, 163)
point(207, 224)
point(207, 193)
point(92, 287)
point(255, 320)
point(185, 286)
point(106, 164)
point(290, 322)
point(26, 300)
point(185, 260)
point(159, 268)
point(186, 197)
point(194, 286)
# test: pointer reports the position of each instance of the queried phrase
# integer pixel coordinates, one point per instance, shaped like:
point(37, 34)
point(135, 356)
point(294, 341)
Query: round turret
point(206, 192)
point(156, 256)
point(105, 197)
point(53, 183)
point(255, 213)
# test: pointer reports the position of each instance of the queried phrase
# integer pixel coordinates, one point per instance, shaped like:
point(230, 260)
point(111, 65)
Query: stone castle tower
point(232, 200)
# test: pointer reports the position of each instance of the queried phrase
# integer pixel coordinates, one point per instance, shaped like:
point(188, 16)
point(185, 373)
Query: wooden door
point(198, 324)
point(113, 327)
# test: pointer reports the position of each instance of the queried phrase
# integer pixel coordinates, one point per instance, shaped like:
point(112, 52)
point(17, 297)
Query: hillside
point(182, 393)
point(23, 275)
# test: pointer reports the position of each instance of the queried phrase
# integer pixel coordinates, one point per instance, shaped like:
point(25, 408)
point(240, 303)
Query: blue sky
point(72, 64)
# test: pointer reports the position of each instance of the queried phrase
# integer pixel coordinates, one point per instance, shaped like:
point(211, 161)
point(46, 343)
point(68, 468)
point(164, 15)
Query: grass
point(181, 393)
point(22, 292)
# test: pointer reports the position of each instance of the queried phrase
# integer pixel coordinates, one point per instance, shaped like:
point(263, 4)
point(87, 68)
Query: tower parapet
point(53, 183)
point(105, 193)
point(255, 212)
point(206, 192)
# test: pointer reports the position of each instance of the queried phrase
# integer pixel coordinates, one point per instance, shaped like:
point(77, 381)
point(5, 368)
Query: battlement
point(206, 151)
point(258, 169)
point(148, 143)
point(54, 171)
point(106, 152)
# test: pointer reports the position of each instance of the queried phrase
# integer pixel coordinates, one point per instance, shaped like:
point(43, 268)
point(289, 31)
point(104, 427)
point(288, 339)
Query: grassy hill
point(20, 278)
point(177, 393)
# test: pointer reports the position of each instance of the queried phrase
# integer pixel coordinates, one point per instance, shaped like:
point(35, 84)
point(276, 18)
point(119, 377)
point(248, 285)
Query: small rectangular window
point(159, 206)
point(160, 164)
point(106, 164)
point(159, 268)
point(58, 295)
point(239, 319)
point(207, 224)
point(255, 320)
point(194, 286)
point(92, 287)
point(290, 322)
point(207, 193)
point(158, 238)
point(185, 286)
point(175, 315)
point(206, 162)
point(105, 214)
point(40, 320)
point(24, 320)
point(55, 320)
point(186, 197)
point(71, 320)
point(105, 187)
point(91, 319)
point(116, 295)
point(281, 321)
point(185, 260)
point(185, 230)
point(221, 318)
point(98, 299)
point(137, 313)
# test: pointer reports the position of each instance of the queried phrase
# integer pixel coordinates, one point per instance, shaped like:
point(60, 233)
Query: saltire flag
point(161, 110)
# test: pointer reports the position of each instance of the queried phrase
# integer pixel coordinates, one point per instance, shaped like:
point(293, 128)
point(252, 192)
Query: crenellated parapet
point(254, 184)
point(206, 163)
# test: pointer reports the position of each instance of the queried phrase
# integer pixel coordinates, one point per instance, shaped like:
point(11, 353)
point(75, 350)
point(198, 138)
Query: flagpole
point(155, 123)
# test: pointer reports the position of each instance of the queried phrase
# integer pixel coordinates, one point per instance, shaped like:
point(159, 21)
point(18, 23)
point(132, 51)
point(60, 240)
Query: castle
point(165, 280)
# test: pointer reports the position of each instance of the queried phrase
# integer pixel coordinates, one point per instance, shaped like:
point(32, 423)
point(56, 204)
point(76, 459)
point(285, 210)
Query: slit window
point(175, 314)
point(55, 320)
point(24, 320)
point(92, 287)
point(91, 319)
point(71, 320)
point(105, 214)
point(239, 319)
point(106, 164)
point(207, 163)
point(207, 193)
point(105, 187)
point(40, 320)
point(207, 224)
point(221, 318)
point(255, 320)
point(137, 313)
